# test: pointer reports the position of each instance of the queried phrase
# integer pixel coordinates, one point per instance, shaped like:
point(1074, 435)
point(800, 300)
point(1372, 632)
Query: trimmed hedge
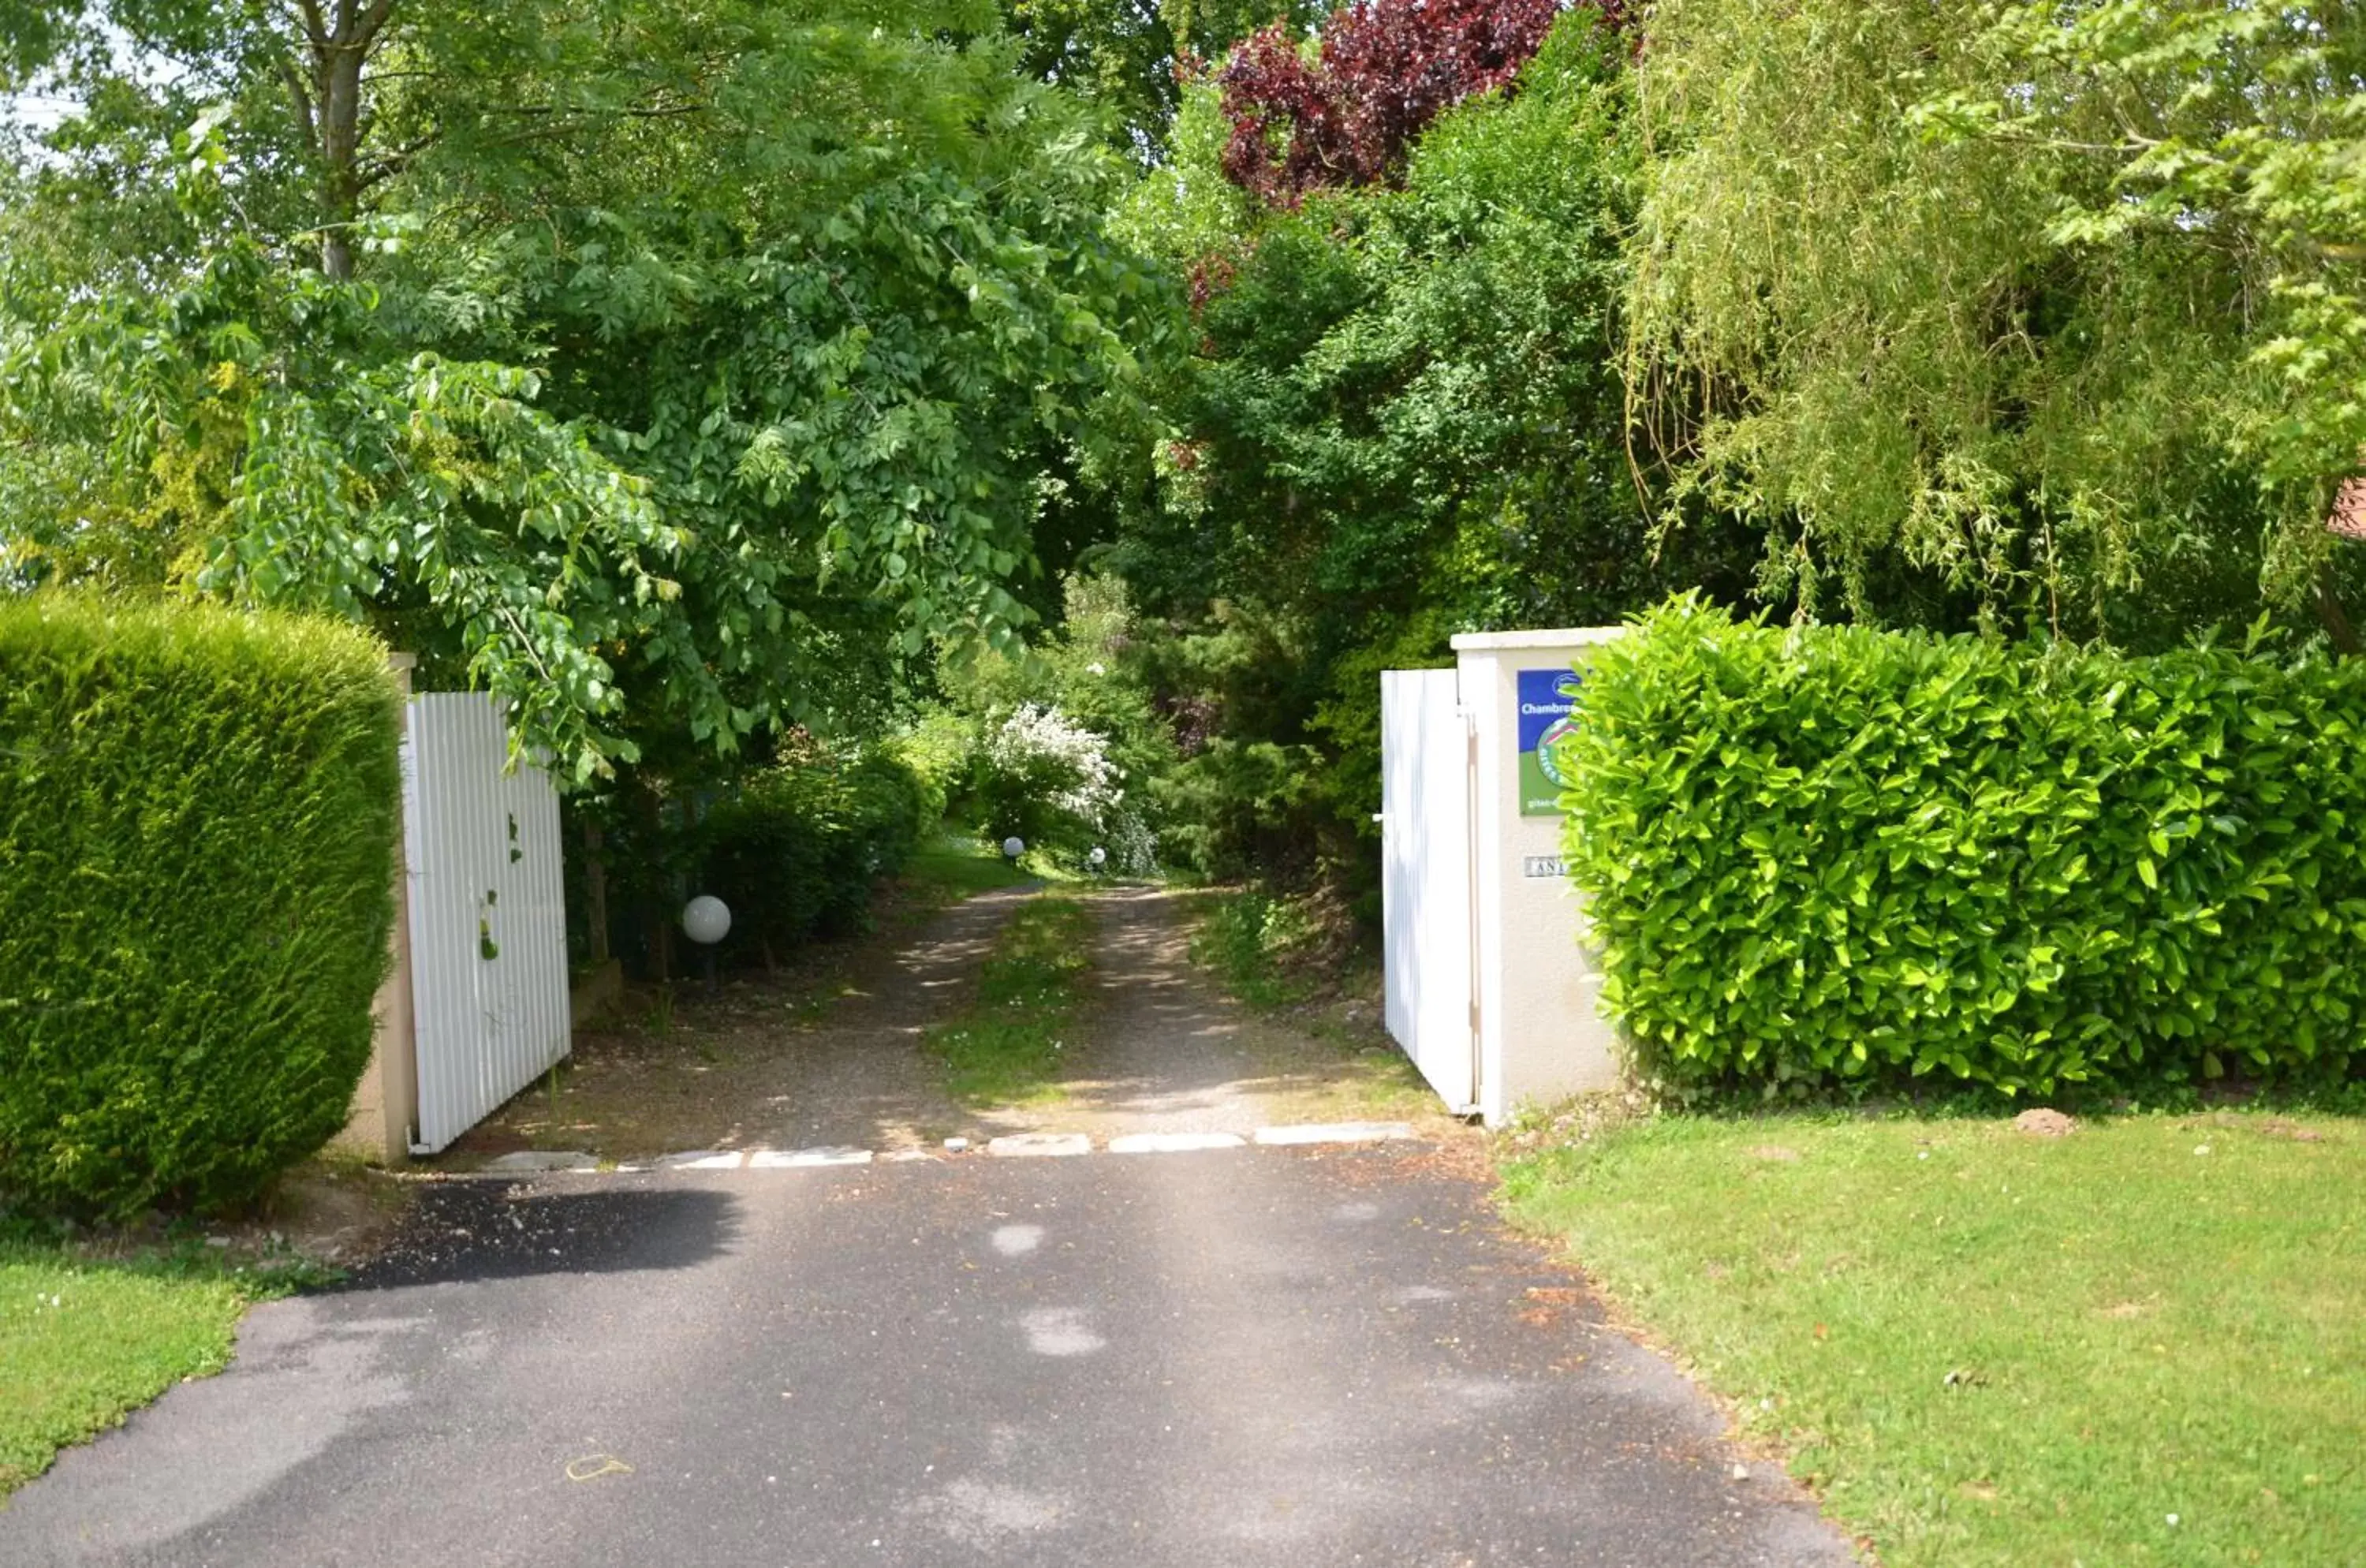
point(197, 832)
point(797, 852)
point(1840, 855)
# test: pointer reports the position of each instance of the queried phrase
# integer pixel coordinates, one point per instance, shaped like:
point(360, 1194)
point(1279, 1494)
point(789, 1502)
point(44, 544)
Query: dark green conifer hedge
point(198, 819)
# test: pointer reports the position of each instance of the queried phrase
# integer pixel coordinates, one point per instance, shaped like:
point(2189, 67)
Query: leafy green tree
point(2039, 318)
point(1132, 58)
point(667, 372)
point(2230, 135)
point(1402, 421)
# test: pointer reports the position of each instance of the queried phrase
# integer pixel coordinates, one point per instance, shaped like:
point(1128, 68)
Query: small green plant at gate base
point(1257, 943)
point(1010, 1045)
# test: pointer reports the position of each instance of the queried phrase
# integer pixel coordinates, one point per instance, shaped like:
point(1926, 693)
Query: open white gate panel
point(1426, 909)
point(488, 914)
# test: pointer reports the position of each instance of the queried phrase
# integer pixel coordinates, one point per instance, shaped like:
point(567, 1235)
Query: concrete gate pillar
point(1539, 1036)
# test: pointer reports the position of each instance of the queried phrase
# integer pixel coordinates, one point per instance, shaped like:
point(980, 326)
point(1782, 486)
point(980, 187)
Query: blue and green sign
point(1547, 700)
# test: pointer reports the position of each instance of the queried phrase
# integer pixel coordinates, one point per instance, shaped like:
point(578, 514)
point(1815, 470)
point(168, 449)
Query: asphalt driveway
point(1239, 1357)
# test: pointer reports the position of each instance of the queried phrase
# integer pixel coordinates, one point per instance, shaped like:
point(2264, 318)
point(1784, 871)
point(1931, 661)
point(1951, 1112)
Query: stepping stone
point(1040, 1145)
point(701, 1159)
point(1174, 1143)
point(542, 1159)
point(1335, 1132)
point(798, 1159)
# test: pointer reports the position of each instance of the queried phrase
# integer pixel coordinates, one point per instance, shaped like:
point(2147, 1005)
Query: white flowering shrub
point(1046, 779)
point(1042, 751)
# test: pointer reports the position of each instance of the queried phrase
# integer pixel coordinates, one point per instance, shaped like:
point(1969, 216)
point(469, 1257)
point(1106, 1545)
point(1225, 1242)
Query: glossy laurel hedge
point(1840, 855)
point(797, 852)
point(197, 830)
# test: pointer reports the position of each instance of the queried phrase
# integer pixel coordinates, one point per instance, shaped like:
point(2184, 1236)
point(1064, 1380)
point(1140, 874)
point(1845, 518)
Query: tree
point(1380, 72)
point(668, 373)
point(2028, 317)
point(1401, 420)
point(1131, 58)
point(2231, 134)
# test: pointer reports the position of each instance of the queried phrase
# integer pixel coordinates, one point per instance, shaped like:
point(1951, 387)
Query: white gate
point(488, 914)
point(1425, 827)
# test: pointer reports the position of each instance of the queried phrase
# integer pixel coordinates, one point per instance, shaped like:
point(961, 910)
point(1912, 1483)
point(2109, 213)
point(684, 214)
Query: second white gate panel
point(488, 914)
point(1425, 824)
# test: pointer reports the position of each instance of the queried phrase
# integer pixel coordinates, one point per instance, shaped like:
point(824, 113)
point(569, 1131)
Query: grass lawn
point(2144, 1343)
point(83, 1341)
point(1008, 1047)
point(956, 868)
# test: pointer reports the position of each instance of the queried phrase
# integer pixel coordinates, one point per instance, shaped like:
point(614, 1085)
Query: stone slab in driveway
point(1306, 1358)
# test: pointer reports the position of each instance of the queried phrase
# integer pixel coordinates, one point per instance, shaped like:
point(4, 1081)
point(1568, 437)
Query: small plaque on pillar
point(1547, 703)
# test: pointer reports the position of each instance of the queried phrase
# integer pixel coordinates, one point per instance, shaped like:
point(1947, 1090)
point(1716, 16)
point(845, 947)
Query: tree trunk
point(595, 885)
point(2337, 621)
point(328, 98)
point(340, 114)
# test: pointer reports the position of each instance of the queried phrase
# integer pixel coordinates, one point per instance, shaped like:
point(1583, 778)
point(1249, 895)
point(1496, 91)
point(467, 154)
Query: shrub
point(197, 830)
point(1841, 854)
point(796, 852)
point(938, 751)
point(1041, 776)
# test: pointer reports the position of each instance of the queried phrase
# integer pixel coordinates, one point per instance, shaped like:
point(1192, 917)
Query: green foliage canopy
point(1402, 421)
point(1131, 58)
point(667, 372)
point(2043, 317)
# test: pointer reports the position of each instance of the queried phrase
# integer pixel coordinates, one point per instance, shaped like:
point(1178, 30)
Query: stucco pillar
point(1540, 1035)
point(386, 1102)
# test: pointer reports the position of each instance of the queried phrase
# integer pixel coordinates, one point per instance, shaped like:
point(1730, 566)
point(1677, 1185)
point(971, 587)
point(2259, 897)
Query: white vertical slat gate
point(488, 914)
point(1425, 897)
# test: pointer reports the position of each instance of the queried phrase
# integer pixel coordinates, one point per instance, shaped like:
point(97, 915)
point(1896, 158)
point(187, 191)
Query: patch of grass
point(85, 1339)
point(949, 867)
point(2144, 1343)
point(1264, 948)
point(1010, 1045)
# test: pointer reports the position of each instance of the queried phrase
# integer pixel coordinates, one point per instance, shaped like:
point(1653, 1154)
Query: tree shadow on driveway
point(464, 1232)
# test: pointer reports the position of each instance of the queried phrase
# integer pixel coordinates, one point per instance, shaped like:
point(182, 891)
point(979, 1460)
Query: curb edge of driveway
point(1017, 1146)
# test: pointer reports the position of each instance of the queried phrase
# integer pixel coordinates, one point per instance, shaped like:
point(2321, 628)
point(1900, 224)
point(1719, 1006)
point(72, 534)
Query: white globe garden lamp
point(706, 920)
point(1013, 847)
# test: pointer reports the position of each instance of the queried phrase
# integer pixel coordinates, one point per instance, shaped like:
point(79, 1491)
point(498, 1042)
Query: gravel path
point(1169, 1051)
point(834, 1058)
